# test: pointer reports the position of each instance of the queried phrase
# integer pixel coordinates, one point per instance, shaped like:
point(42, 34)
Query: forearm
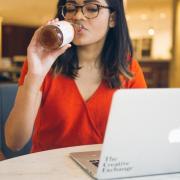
point(19, 126)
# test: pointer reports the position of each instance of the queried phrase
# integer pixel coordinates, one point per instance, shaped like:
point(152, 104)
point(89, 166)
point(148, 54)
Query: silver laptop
point(142, 136)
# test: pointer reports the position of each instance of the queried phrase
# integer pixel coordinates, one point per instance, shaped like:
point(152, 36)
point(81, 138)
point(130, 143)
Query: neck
point(89, 55)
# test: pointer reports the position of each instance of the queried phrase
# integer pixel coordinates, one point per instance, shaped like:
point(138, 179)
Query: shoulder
point(138, 80)
point(134, 66)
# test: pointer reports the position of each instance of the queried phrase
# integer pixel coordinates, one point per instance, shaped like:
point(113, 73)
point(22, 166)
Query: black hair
point(116, 54)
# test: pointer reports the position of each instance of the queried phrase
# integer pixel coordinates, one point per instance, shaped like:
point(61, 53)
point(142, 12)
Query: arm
point(19, 126)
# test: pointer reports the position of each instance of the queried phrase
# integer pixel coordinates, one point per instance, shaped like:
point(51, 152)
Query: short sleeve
point(138, 81)
point(23, 73)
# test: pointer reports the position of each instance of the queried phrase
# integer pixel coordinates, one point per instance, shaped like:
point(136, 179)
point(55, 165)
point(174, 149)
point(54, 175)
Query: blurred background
point(154, 28)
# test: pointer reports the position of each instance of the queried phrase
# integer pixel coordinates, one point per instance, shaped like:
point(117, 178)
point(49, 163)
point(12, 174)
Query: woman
point(64, 95)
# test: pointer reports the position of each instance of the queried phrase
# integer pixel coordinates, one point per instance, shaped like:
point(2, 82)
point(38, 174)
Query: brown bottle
point(52, 37)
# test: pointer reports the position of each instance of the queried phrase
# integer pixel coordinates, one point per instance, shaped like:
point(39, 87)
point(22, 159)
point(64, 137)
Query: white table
point(54, 165)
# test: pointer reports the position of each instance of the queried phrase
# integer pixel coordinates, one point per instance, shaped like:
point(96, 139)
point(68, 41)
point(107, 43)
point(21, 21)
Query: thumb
point(61, 51)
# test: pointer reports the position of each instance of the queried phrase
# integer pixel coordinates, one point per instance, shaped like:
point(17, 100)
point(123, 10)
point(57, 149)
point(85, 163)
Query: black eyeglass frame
point(82, 6)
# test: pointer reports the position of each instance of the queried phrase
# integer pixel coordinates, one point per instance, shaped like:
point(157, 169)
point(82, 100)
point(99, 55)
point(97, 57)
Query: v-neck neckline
point(93, 94)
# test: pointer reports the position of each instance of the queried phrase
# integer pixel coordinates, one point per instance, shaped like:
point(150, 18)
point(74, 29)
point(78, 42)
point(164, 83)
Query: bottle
point(52, 37)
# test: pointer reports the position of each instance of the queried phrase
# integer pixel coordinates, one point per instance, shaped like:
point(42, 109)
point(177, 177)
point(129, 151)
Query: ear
point(112, 20)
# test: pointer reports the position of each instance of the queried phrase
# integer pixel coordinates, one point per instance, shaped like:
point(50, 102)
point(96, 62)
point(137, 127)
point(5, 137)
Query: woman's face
point(89, 31)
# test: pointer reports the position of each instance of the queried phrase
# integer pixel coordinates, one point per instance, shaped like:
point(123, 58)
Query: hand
point(39, 59)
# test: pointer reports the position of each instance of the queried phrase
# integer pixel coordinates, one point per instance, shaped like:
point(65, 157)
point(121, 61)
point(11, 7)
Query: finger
point(49, 22)
point(54, 21)
point(61, 51)
point(57, 19)
point(55, 54)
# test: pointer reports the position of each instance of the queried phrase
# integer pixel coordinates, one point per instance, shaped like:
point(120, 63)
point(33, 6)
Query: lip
point(79, 27)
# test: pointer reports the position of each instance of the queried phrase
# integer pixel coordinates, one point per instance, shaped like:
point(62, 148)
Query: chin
point(81, 43)
point(86, 41)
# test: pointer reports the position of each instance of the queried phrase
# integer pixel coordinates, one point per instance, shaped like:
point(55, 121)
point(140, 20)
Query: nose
point(79, 15)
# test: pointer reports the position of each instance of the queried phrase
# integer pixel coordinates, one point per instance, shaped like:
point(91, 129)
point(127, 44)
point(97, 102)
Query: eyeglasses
point(89, 10)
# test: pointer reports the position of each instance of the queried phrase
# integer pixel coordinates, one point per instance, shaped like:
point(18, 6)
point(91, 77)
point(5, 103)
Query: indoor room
point(153, 27)
point(89, 89)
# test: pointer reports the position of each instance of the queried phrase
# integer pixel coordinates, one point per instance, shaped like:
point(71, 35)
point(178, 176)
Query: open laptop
point(142, 136)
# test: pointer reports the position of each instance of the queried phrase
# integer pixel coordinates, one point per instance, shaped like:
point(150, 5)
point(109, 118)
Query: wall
point(16, 39)
point(0, 38)
point(141, 19)
point(27, 13)
point(175, 65)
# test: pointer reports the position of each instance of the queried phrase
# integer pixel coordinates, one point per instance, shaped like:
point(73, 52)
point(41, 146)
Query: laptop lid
point(142, 135)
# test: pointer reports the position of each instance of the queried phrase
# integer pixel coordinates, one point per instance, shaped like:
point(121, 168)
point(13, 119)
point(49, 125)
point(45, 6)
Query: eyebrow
point(85, 1)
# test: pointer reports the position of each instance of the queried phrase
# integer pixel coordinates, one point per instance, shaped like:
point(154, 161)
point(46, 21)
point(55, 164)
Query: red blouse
point(65, 119)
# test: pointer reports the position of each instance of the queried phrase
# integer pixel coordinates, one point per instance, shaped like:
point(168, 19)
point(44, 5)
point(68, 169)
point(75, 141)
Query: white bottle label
point(67, 31)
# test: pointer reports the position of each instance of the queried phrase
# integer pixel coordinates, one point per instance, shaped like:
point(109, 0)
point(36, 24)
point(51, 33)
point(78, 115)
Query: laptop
point(142, 136)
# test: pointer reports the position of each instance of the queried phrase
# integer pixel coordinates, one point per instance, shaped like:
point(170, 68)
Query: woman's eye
point(92, 9)
point(70, 9)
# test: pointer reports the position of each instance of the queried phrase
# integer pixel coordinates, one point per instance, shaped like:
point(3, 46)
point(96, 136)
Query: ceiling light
point(151, 31)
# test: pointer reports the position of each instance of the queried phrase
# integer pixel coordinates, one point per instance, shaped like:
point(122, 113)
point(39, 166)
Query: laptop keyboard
point(95, 162)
